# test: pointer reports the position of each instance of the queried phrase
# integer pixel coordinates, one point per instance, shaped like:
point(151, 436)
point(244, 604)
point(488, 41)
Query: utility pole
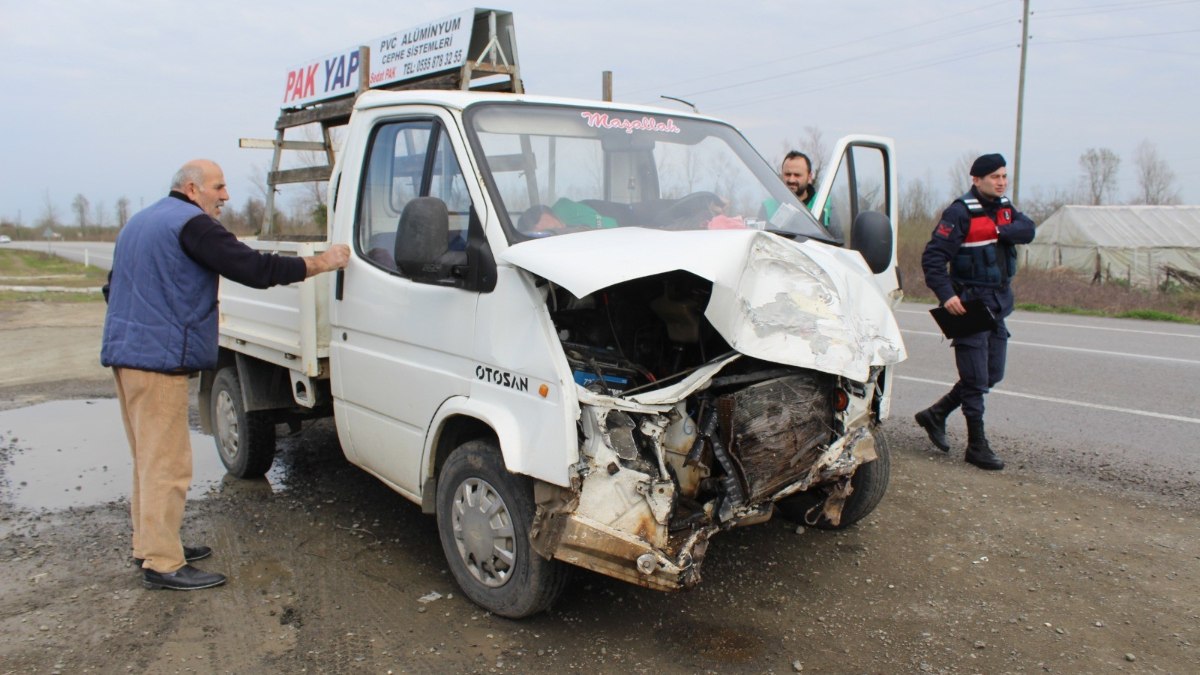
point(1020, 105)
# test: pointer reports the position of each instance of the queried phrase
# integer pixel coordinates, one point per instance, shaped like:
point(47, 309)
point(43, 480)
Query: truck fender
point(265, 386)
point(462, 418)
point(225, 358)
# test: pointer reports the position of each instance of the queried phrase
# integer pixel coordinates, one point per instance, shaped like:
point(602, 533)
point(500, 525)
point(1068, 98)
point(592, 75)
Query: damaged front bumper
point(660, 476)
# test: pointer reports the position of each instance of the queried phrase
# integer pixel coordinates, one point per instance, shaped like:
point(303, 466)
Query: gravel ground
point(958, 571)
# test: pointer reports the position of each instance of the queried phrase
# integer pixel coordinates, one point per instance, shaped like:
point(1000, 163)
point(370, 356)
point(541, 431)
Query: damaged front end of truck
point(738, 372)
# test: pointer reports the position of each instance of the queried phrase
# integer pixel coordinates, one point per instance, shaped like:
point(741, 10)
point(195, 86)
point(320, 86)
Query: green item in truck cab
point(577, 213)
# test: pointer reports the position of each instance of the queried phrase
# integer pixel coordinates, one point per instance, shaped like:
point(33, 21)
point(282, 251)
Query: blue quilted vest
point(162, 306)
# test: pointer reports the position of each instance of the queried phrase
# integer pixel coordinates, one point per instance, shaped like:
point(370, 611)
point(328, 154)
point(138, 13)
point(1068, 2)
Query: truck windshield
point(556, 170)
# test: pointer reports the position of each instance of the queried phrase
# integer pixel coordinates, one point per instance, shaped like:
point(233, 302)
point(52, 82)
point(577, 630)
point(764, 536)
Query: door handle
point(339, 281)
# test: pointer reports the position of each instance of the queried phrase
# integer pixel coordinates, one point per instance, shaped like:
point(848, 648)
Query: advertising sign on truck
point(417, 51)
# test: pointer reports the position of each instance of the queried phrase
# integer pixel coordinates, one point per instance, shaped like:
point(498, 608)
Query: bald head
point(204, 183)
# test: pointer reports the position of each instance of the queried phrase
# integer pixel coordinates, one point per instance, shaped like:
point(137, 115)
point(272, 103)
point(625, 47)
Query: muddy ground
point(958, 571)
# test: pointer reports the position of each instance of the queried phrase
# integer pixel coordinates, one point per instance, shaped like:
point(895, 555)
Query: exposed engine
point(637, 333)
point(661, 478)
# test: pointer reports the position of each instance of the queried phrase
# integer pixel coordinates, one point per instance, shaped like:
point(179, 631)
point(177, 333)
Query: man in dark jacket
point(972, 256)
point(160, 328)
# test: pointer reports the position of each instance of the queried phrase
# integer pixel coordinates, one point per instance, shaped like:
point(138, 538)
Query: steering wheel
point(691, 211)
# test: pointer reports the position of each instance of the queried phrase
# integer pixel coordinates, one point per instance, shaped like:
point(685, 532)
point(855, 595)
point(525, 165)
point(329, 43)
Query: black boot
point(933, 421)
point(979, 452)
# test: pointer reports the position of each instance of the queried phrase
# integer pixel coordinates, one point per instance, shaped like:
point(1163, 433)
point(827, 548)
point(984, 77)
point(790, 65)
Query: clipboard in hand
point(978, 319)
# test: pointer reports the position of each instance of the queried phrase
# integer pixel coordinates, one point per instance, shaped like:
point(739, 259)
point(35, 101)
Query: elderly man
point(161, 327)
point(972, 256)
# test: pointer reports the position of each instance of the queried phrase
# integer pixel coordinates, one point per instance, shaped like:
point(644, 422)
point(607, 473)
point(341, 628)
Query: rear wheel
point(483, 516)
point(869, 481)
point(245, 440)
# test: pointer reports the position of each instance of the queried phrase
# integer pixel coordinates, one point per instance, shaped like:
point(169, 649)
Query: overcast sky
point(106, 98)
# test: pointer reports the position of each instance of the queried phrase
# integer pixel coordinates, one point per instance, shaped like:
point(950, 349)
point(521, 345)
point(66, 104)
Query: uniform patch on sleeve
point(1004, 216)
point(943, 230)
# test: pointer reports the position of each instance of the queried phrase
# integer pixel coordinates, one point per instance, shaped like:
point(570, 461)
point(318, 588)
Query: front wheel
point(245, 440)
point(869, 481)
point(483, 515)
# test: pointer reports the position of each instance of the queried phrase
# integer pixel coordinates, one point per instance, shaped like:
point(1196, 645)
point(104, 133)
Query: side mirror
point(871, 236)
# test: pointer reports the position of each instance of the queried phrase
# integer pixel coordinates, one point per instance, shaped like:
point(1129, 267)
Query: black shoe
point(934, 425)
point(190, 554)
point(186, 578)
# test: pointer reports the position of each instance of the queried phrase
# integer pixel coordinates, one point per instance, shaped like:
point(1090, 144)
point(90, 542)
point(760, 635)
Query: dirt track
point(958, 571)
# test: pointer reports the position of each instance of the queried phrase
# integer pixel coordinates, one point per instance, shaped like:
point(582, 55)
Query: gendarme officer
point(972, 255)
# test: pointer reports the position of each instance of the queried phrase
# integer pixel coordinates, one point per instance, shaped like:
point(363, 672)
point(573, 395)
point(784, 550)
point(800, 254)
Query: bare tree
point(254, 212)
point(812, 144)
point(81, 207)
point(122, 211)
point(98, 214)
point(960, 173)
point(314, 191)
point(917, 202)
point(1155, 178)
point(1099, 173)
point(258, 180)
point(49, 217)
point(1039, 203)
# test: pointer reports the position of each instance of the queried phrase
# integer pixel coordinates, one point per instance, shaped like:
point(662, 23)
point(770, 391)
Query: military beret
point(985, 165)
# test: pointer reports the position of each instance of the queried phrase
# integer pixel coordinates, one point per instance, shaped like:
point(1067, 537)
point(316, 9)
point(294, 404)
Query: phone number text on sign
point(435, 62)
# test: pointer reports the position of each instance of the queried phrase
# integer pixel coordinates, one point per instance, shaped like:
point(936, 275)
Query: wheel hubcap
point(227, 425)
point(483, 532)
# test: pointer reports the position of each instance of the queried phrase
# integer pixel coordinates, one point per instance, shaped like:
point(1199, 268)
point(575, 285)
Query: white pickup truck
point(580, 334)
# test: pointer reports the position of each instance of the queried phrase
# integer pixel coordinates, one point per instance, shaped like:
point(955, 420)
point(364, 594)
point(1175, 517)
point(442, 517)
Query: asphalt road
point(1117, 393)
point(92, 252)
point(1122, 392)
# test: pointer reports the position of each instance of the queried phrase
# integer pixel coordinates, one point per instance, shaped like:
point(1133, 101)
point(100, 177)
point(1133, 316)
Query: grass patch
point(34, 268)
point(1143, 314)
point(1059, 291)
point(1050, 309)
point(70, 297)
point(1065, 292)
point(1155, 315)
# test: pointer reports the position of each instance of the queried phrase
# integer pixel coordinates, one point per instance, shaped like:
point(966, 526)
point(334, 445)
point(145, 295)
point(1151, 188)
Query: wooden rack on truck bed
point(429, 56)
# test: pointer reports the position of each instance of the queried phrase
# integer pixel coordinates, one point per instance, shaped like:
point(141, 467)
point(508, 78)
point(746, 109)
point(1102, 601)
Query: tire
point(245, 441)
point(483, 517)
point(870, 482)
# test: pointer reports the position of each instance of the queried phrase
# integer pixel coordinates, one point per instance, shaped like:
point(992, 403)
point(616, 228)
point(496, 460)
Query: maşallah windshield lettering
point(604, 121)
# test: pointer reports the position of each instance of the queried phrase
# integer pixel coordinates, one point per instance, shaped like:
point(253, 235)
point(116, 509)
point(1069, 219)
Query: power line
point(1063, 12)
point(1129, 48)
point(874, 36)
point(923, 64)
point(858, 57)
point(874, 76)
point(1083, 10)
point(1120, 37)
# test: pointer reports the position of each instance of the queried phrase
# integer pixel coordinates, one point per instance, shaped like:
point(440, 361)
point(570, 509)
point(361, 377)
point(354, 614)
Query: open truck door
point(857, 198)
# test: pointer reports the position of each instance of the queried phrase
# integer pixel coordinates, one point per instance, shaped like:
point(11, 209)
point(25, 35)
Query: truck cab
point(582, 334)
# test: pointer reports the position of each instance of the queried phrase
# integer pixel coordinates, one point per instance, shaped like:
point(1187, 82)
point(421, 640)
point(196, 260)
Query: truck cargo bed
point(284, 325)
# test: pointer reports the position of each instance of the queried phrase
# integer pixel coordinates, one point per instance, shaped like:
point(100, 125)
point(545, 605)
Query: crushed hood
point(803, 304)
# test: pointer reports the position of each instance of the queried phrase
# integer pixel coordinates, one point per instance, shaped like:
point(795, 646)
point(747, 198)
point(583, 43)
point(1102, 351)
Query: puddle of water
point(74, 453)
